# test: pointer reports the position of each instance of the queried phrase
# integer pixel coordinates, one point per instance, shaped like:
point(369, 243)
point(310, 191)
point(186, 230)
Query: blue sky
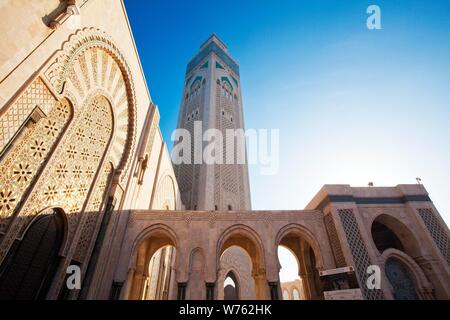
point(352, 105)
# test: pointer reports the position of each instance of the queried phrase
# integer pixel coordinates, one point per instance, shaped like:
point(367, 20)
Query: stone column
point(173, 284)
point(261, 285)
point(219, 295)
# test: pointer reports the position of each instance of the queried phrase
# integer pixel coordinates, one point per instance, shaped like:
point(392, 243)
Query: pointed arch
point(399, 231)
point(234, 294)
point(306, 249)
point(165, 196)
point(157, 231)
point(144, 248)
point(302, 232)
point(246, 238)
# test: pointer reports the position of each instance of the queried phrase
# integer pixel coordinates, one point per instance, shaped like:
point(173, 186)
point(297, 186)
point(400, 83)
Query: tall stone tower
point(212, 100)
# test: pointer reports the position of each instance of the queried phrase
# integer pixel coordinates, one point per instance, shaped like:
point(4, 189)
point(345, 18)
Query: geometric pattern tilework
point(359, 253)
point(69, 175)
point(217, 173)
point(95, 68)
point(437, 232)
point(334, 240)
point(28, 153)
point(90, 62)
point(231, 175)
point(228, 178)
point(227, 120)
point(188, 173)
point(93, 213)
point(36, 94)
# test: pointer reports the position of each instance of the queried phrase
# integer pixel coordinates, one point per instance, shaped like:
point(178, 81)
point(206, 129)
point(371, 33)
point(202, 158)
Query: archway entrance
point(243, 251)
point(154, 276)
point(28, 270)
point(400, 251)
point(384, 238)
point(231, 287)
point(160, 271)
point(236, 272)
point(293, 241)
point(290, 281)
point(389, 233)
point(400, 279)
point(286, 294)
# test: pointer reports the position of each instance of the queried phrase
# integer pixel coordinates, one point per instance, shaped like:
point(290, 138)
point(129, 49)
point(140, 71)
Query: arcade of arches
point(407, 273)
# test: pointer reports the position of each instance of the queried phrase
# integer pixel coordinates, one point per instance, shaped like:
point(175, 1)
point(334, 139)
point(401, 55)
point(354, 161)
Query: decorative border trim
point(375, 200)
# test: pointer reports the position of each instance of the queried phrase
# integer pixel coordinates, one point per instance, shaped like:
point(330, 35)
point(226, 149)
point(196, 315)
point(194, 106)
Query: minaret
point(212, 95)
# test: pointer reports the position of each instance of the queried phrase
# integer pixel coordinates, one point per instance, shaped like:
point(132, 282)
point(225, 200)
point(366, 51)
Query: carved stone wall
point(438, 232)
point(63, 138)
point(68, 176)
point(90, 61)
point(237, 260)
point(359, 252)
point(37, 94)
point(94, 213)
point(22, 162)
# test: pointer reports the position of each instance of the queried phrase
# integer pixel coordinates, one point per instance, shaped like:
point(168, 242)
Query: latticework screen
point(359, 252)
point(334, 241)
point(437, 232)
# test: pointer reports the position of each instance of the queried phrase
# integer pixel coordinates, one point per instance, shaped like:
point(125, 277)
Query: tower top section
point(213, 45)
point(214, 38)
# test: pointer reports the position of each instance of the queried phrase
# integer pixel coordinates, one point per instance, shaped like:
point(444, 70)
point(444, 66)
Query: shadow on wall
point(48, 18)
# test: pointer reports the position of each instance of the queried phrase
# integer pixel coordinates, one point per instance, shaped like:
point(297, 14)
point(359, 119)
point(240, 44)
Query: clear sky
point(352, 105)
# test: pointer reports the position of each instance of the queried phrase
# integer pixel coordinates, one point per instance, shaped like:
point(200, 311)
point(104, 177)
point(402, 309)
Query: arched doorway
point(384, 238)
point(400, 251)
point(389, 233)
point(247, 241)
point(231, 287)
point(160, 269)
point(153, 278)
point(300, 243)
point(401, 280)
point(236, 270)
point(28, 270)
point(289, 273)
